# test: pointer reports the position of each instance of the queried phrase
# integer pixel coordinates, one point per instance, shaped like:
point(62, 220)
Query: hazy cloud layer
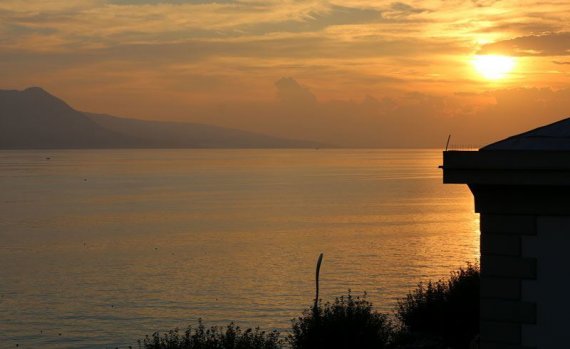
point(198, 59)
point(409, 120)
point(550, 44)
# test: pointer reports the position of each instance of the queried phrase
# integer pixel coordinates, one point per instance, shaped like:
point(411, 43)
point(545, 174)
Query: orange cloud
point(190, 59)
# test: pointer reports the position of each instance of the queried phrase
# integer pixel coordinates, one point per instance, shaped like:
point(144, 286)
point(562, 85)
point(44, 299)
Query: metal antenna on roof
point(447, 144)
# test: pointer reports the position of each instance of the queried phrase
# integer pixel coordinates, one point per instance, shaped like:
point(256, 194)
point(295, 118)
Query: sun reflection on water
point(156, 239)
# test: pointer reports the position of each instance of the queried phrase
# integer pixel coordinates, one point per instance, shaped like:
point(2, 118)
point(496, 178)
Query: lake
point(100, 247)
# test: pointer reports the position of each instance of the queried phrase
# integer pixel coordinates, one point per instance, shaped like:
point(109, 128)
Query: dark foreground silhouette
point(436, 315)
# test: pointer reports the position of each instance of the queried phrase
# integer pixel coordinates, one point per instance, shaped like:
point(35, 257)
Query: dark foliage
point(406, 340)
point(349, 322)
point(441, 314)
point(231, 337)
point(436, 315)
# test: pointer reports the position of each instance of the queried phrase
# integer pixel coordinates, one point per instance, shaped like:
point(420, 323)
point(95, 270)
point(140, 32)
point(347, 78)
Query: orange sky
point(353, 73)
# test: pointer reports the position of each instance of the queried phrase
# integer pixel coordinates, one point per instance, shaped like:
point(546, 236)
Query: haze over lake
point(105, 246)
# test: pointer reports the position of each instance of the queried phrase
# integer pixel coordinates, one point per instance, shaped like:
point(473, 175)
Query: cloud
point(414, 119)
point(170, 59)
point(291, 93)
point(533, 26)
point(317, 20)
point(484, 3)
point(400, 9)
point(155, 2)
point(551, 44)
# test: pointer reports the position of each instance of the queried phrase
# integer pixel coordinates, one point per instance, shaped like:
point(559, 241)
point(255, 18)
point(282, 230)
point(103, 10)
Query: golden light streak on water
point(107, 246)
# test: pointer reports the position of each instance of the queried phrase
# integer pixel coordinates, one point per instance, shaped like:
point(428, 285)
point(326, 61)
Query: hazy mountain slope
point(33, 118)
point(182, 134)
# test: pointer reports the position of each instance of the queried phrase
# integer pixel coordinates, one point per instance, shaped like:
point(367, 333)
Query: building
point(521, 187)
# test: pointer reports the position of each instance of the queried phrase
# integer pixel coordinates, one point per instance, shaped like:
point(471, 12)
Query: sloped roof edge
point(554, 136)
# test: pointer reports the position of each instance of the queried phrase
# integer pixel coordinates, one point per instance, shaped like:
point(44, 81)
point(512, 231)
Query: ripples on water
point(104, 247)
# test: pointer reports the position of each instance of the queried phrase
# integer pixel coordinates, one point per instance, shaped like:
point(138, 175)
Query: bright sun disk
point(493, 67)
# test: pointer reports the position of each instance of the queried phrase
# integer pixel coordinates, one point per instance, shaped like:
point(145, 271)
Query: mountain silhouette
point(183, 134)
point(33, 118)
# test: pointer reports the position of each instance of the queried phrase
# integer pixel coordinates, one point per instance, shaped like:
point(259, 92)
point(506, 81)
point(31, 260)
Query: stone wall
point(504, 268)
point(550, 290)
point(523, 197)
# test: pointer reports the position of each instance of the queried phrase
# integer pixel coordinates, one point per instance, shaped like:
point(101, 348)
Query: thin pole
point(319, 261)
point(447, 144)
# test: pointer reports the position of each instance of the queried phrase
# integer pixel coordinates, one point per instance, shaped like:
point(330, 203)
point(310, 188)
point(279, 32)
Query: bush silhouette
point(444, 312)
point(230, 337)
point(436, 315)
point(349, 322)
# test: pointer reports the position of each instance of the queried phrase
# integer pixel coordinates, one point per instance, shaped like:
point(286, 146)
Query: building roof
point(555, 136)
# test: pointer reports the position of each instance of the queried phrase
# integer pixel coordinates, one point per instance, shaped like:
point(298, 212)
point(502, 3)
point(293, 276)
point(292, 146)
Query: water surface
point(99, 248)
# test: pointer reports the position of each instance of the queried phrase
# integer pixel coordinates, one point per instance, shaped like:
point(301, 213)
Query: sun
point(493, 67)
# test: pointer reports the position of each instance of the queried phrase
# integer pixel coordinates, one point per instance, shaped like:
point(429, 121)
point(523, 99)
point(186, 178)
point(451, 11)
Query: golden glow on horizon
point(355, 73)
point(493, 67)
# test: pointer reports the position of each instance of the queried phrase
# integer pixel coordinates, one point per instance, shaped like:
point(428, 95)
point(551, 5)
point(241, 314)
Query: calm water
point(99, 248)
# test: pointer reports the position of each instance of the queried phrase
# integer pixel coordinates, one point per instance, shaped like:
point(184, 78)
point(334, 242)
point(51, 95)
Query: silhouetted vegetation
point(436, 315)
point(442, 313)
point(230, 337)
point(349, 322)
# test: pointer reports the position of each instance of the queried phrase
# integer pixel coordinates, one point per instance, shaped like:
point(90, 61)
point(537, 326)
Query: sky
point(351, 73)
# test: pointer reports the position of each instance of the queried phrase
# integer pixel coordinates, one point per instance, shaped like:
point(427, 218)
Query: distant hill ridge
point(33, 118)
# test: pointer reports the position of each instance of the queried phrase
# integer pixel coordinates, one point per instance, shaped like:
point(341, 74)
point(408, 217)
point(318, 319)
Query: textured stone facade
point(503, 271)
point(521, 187)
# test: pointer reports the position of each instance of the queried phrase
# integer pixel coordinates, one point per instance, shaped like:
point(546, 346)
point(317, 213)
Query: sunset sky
point(350, 73)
